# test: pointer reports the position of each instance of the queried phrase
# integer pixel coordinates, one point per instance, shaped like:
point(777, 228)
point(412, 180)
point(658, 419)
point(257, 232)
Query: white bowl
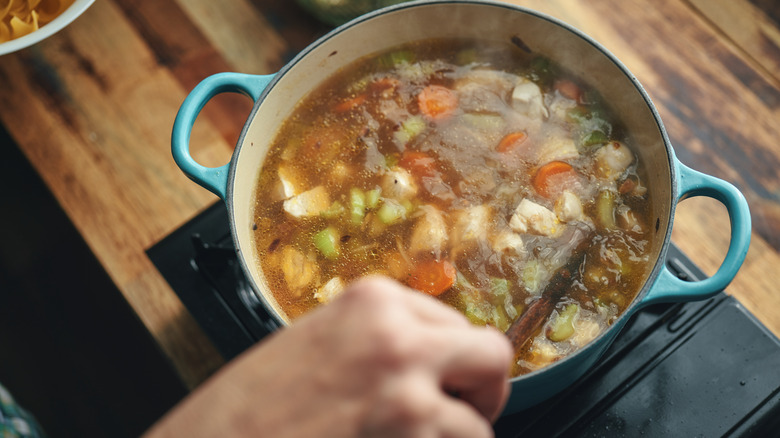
point(77, 8)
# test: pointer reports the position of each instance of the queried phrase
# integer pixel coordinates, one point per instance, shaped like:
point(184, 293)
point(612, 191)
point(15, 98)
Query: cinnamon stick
point(527, 324)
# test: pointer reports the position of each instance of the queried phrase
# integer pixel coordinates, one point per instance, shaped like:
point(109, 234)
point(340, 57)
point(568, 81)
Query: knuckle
point(409, 406)
point(393, 348)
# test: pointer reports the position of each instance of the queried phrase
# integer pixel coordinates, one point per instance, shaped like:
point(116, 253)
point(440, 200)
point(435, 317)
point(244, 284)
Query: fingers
point(457, 419)
point(415, 406)
point(462, 359)
point(477, 370)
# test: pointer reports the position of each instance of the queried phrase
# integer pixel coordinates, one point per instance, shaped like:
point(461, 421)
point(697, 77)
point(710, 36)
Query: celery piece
point(499, 287)
point(540, 65)
point(478, 310)
point(482, 313)
point(595, 137)
point(357, 205)
point(542, 71)
point(605, 209)
point(502, 299)
point(563, 327)
point(410, 128)
point(500, 319)
point(336, 209)
point(359, 86)
point(327, 242)
point(470, 299)
point(466, 56)
point(485, 122)
point(395, 58)
point(578, 114)
point(532, 274)
point(372, 198)
point(591, 96)
point(391, 212)
point(474, 316)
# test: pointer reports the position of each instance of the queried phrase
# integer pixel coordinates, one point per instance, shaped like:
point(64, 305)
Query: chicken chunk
point(527, 99)
point(556, 148)
point(430, 231)
point(330, 290)
point(299, 270)
point(308, 203)
point(585, 330)
point(288, 185)
point(543, 353)
point(508, 242)
point(398, 184)
point(484, 91)
point(496, 81)
point(530, 217)
point(560, 107)
point(568, 207)
point(613, 159)
point(471, 224)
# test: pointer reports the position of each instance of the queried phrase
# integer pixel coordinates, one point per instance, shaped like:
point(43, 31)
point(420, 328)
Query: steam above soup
point(470, 171)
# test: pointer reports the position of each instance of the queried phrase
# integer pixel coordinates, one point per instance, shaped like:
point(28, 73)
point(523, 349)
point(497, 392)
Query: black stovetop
point(706, 368)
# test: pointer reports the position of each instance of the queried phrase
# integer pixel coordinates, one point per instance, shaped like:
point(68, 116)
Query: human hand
point(379, 361)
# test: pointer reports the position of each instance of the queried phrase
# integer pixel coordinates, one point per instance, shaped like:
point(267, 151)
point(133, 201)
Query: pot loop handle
point(668, 287)
point(215, 179)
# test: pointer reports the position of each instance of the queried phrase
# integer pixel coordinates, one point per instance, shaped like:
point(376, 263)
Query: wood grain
point(750, 25)
point(92, 108)
point(96, 126)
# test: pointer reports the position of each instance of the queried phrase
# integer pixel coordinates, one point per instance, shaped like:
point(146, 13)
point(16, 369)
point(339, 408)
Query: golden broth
point(465, 169)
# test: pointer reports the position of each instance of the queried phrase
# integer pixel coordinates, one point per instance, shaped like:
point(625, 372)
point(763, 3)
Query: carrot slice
point(551, 177)
point(433, 277)
point(437, 102)
point(349, 104)
point(568, 89)
point(419, 164)
point(511, 141)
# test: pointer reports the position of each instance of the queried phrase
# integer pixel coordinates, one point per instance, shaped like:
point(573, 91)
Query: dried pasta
point(21, 17)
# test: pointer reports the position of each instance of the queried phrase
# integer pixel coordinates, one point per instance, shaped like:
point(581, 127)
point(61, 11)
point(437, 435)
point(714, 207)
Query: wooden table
point(92, 109)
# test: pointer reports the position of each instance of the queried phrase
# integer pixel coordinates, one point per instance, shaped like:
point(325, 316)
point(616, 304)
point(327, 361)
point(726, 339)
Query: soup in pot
point(471, 171)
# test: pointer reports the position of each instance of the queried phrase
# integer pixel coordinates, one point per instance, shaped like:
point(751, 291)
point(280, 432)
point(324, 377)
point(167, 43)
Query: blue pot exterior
point(680, 182)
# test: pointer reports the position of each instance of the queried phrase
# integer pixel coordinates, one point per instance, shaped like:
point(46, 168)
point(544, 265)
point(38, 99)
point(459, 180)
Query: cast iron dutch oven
point(276, 95)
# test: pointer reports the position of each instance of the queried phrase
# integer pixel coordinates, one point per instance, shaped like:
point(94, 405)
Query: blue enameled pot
point(276, 95)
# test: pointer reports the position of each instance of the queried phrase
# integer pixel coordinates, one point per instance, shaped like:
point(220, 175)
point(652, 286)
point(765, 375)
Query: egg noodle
point(21, 17)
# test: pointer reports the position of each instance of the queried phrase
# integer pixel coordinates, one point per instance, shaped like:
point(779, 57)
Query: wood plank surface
point(93, 106)
point(750, 25)
point(96, 125)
